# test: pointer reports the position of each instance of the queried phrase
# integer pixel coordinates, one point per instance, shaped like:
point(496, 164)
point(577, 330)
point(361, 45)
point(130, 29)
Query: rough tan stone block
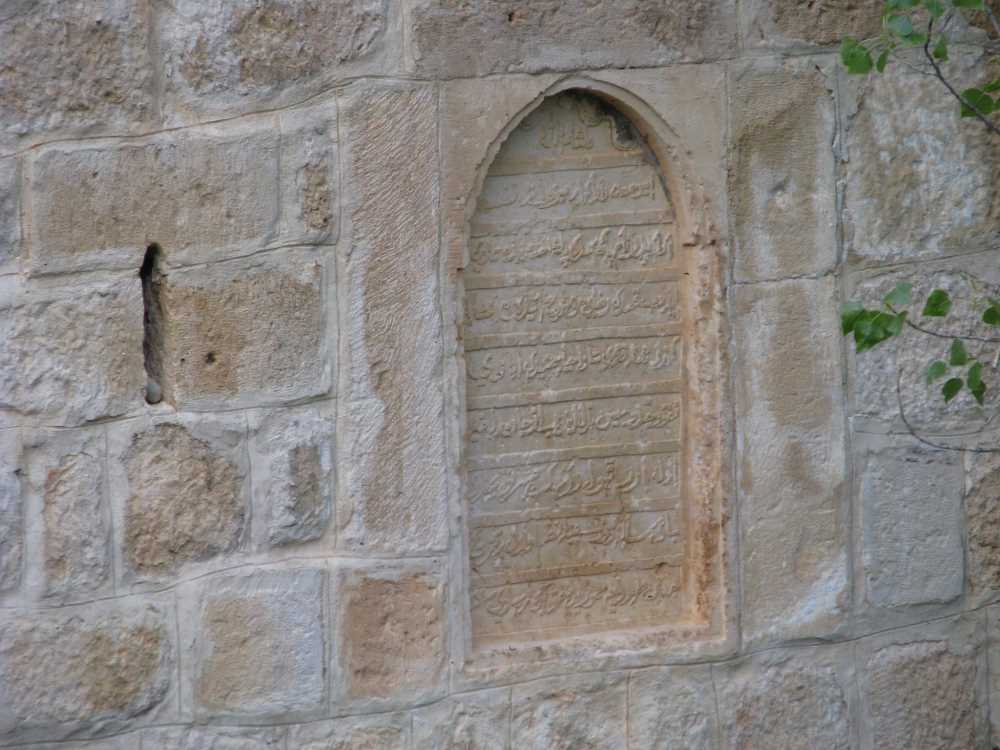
point(68, 479)
point(11, 510)
point(310, 210)
point(993, 667)
point(197, 196)
point(394, 486)
point(982, 526)
point(62, 673)
point(385, 732)
point(391, 636)
point(794, 700)
point(73, 351)
point(255, 643)
point(473, 720)
point(794, 23)
point(246, 332)
point(213, 738)
point(585, 712)
point(918, 183)
point(672, 707)
point(294, 473)
point(10, 220)
point(925, 687)
point(792, 465)
point(781, 181)
point(450, 38)
point(178, 491)
point(911, 517)
point(74, 68)
point(238, 56)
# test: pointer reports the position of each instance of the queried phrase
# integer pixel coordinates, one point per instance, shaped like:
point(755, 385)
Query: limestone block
point(794, 700)
point(672, 707)
point(10, 220)
point(293, 473)
point(74, 68)
point(911, 516)
point(11, 510)
point(896, 370)
point(918, 182)
point(255, 644)
point(178, 490)
point(473, 720)
point(68, 481)
point(781, 181)
point(309, 174)
point(393, 454)
point(993, 665)
point(112, 743)
point(391, 635)
point(791, 460)
point(223, 56)
point(73, 350)
point(212, 738)
point(461, 39)
point(384, 732)
point(83, 670)
point(246, 332)
point(585, 712)
point(982, 526)
point(198, 196)
point(925, 686)
point(779, 24)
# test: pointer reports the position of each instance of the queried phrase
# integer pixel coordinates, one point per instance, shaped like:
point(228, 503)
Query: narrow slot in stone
point(152, 317)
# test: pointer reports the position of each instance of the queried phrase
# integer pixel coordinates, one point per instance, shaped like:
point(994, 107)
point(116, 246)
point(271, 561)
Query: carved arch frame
point(708, 453)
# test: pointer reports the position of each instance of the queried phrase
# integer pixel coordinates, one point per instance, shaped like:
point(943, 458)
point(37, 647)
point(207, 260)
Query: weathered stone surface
point(993, 668)
point(10, 220)
point(218, 348)
point(781, 182)
point(896, 370)
point(243, 55)
point(918, 183)
point(179, 491)
point(61, 671)
point(74, 351)
point(672, 707)
point(982, 526)
point(11, 510)
point(791, 460)
point(474, 721)
point(220, 738)
point(792, 701)
point(294, 476)
point(573, 713)
point(924, 689)
point(196, 196)
point(391, 635)
point(792, 23)
point(310, 194)
point(67, 471)
point(385, 732)
point(911, 507)
point(73, 67)
point(392, 421)
point(452, 39)
point(256, 644)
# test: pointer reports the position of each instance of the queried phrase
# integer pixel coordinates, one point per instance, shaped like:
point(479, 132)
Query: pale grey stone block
point(672, 707)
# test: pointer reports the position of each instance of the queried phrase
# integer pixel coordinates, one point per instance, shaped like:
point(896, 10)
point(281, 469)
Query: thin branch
point(949, 336)
point(921, 438)
point(940, 76)
point(992, 16)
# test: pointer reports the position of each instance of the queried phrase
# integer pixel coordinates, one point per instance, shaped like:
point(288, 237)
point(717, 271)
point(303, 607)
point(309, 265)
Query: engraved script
point(575, 384)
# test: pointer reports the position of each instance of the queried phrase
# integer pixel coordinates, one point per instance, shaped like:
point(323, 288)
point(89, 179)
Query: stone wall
point(257, 216)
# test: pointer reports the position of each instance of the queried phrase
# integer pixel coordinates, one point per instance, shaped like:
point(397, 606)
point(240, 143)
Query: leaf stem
point(938, 334)
point(921, 438)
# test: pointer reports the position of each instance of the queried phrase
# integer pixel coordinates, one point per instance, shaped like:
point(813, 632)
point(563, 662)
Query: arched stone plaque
point(575, 336)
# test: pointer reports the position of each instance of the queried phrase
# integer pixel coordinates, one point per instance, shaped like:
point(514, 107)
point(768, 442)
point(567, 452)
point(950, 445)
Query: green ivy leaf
point(970, 4)
point(992, 315)
point(899, 25)
point(941, 48)
point(979, 393)
point(895, 325)
point(958, 356)
point(992, 87)
point(938, 369)
point(849, 316)
point(976, 98)
point(935, 7)
point(855, 57)
point(882, 61)
point(915, 38)
point(975, 376)
point(951, 388)
point(872, 327)
point(938, 304)
point(900, 296)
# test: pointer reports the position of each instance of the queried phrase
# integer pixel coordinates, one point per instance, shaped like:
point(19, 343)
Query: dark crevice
point(152, 323)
